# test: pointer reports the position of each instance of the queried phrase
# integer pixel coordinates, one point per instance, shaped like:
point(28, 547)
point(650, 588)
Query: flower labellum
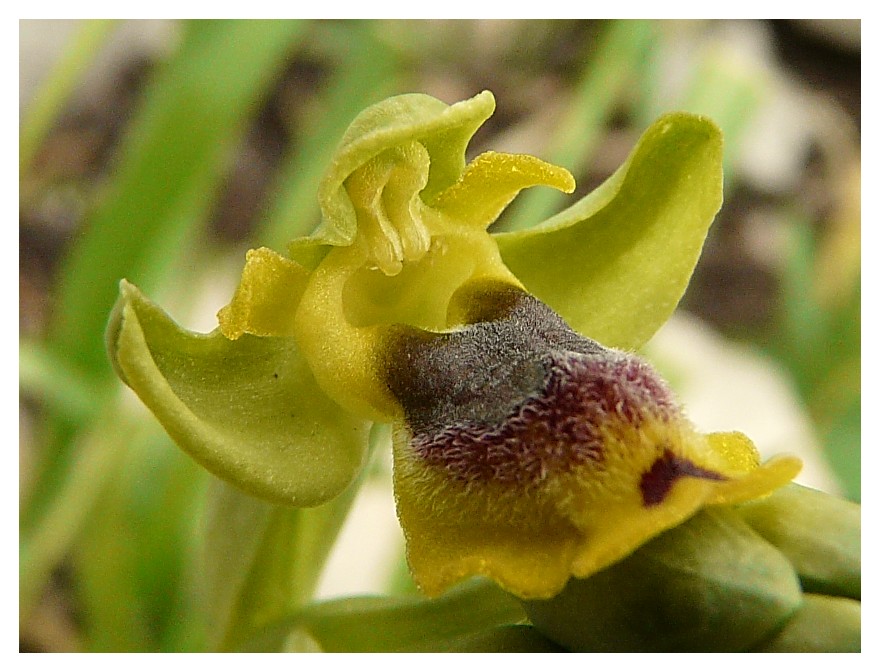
point(531, 454)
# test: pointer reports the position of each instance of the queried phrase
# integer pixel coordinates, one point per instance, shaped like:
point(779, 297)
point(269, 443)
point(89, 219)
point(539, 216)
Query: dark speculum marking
point(519, 396)
point(666, 470)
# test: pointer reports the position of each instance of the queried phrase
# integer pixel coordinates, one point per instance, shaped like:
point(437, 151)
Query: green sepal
point(709, 585)
point(616, 264)
point(444, 131)
point(393, 624)
point(822, 625)
point(819, 534)
point(248, 410)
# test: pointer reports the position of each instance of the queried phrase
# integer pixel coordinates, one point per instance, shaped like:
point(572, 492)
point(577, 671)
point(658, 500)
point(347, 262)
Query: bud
point(708, 585)
point(818, 533)
point(822, 625)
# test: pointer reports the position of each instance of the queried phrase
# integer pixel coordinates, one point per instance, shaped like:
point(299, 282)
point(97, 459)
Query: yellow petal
point(265, 301)
point(341, 354)
point(492, 180)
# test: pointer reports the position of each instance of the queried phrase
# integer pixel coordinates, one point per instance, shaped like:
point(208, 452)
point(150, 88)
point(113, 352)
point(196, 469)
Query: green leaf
point(388, 624)
point(616, 263)
point(99, 452)
point(133, 582)
point(710, 584)
point(248, 410)
point(49, 378)
point(822, 625)
point(819, 534)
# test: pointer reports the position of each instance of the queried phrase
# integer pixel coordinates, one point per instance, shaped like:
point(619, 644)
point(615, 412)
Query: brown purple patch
point(666, 470)
point(518, 395)
point(559, 426)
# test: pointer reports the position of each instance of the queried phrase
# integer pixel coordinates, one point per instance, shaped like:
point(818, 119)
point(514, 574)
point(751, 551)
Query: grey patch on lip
point(482, 372)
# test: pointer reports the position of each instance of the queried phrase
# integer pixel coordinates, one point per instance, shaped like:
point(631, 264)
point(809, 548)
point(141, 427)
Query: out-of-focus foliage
point(172, 164)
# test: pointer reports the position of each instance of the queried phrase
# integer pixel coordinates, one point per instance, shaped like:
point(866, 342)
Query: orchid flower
point(531, 444)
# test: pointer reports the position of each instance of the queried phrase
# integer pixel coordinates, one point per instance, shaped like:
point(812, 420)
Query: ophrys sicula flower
point(524, 450)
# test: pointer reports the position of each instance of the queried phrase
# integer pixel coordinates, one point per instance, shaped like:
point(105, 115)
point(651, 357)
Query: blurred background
point(160, 151)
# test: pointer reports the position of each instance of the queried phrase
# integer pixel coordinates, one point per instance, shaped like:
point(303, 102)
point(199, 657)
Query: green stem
point(264, 560)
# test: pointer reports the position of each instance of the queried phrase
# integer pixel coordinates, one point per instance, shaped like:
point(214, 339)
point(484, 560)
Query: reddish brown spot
point(666, 470)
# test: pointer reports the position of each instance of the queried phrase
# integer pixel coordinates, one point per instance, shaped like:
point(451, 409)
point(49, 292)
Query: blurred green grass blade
point(49, 100)
point(170, 160)
point(97, 455)
point(609, 75)
point(835, 399)
point(729, 94)
point(822, 351)
point(802, 324)
point(367, 72)
point(50, 380)
point(843, 439)
point(136, 556)
point(170, 508)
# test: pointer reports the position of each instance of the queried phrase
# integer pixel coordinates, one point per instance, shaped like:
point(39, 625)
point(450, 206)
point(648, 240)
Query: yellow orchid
point(523, 449)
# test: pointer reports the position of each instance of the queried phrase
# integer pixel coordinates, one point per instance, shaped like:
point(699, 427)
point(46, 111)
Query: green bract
point(709, 585)
point(782, 573)
point(279, 399)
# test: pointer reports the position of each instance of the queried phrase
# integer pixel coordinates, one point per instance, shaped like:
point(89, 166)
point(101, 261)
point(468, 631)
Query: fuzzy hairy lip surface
point(518, 396)
point(482, 371)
